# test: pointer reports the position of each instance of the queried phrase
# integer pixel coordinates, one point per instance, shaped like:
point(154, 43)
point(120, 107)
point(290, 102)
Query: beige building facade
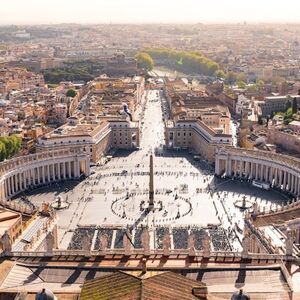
point(285, 138)
point(10, 222)
point(94, 137)
point(195, 135)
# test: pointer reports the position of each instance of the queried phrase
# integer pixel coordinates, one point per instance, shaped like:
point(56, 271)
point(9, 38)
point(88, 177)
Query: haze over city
point(149, 150)
point(156, 11)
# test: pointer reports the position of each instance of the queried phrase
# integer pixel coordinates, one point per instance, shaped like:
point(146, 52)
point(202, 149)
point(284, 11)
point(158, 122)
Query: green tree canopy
point(185, 61)
point(145, 61)
point(220, 74)
point(241, 77)
point(241, 85)
point(71, 93)
point(260, 83)
point(288, 104)
point(2, 151)
point(252, 88)
point(9, 145)
point(231, 77)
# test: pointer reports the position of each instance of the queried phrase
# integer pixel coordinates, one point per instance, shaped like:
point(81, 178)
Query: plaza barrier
point(173, 254)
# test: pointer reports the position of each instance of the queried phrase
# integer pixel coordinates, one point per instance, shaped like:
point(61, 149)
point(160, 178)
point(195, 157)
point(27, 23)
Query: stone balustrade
point(174, 254)
point(277, 209)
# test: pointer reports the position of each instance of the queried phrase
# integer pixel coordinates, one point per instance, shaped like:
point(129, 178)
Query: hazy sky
point(119, 11)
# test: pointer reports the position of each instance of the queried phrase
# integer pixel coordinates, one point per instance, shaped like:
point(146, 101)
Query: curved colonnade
point(280, 171)
point(21, 173)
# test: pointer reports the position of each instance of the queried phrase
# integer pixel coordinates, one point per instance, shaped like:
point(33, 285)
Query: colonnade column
point(256, 171)
point(251, 169)
point(5, 188)
point(64, 170)
point(38, 175)
point(217, 166)
point(228, 167)
point(25, 174)
point(43, 178)
point(69, 169)
point(247, 174)
point(58, 171)
point(48, 172)
point(88, 170)
point(285, 180)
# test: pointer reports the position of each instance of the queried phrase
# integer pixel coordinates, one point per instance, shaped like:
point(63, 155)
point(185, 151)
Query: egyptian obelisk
point(151, 184)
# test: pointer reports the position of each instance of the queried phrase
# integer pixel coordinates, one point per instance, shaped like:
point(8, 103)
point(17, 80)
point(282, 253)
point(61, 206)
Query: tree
point(241, 85)
point(241, 77)
point(294, 105)
point(288, 116)
point(186, 61)
point(231, 77)
point(71, 93)
point(144, 61)
point(9, 145)
point(260, 83)
point(2, 151)
point(220, 74)
point(288, 105)
point(252, 88)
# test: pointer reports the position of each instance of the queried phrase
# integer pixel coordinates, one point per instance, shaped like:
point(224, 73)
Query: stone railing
point(173, 254)
point(277, 209)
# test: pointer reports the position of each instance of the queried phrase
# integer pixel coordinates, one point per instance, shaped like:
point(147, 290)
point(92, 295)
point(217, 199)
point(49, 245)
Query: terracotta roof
point(136, 286)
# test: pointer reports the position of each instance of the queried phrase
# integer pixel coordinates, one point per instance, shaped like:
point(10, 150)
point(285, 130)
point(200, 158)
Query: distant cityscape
point(164, 158)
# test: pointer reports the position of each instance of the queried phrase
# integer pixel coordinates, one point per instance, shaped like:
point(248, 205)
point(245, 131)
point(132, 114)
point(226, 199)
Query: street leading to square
point(188, 193)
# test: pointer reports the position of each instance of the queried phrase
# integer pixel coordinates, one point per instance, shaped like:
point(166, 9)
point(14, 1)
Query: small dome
point(45, 294)
point(240, 295)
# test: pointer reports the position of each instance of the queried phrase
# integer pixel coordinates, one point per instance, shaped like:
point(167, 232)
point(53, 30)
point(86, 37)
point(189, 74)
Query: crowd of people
point(180, 238)
point(160, 233)
point(119, 238)
point(137, 239)
point(219, 240)
point(199, 234)
point(83, 237)
point(103, 231)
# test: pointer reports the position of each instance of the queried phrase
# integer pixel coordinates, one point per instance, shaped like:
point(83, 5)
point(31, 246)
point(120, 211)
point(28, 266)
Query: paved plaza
point(190, 196)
